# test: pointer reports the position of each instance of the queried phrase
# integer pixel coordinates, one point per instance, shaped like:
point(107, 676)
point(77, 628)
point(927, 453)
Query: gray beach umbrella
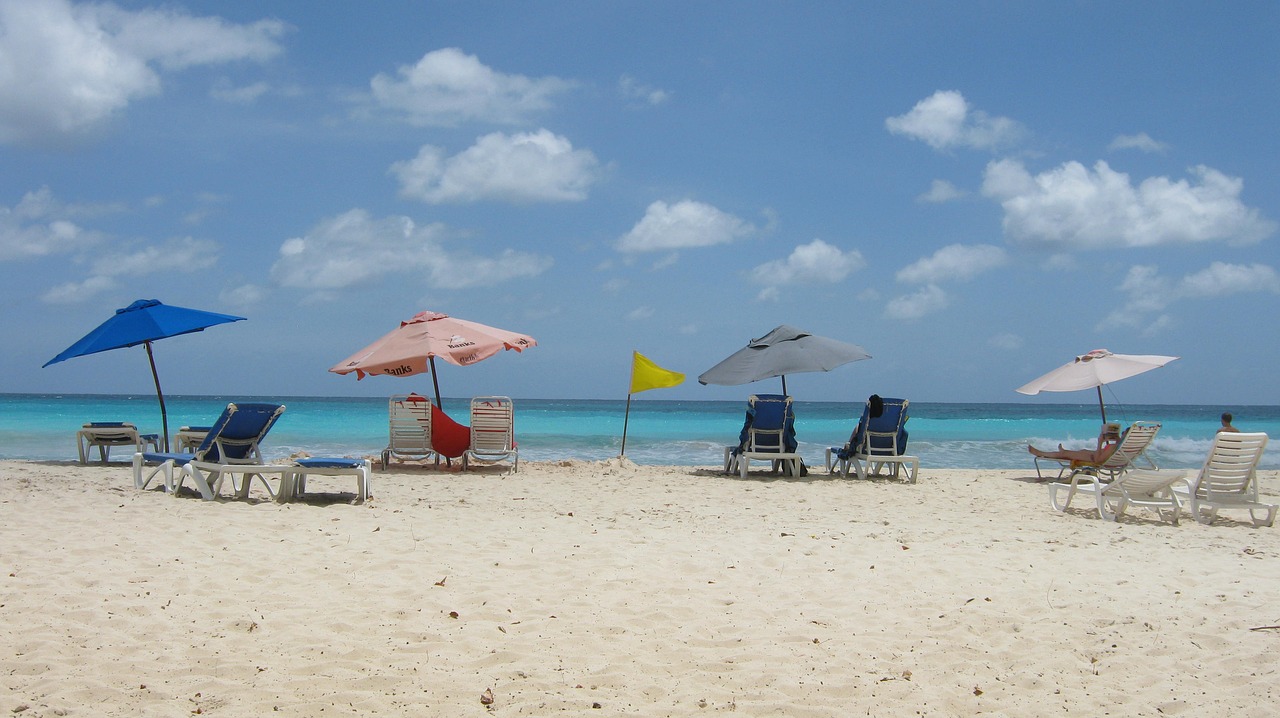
point(785, 350)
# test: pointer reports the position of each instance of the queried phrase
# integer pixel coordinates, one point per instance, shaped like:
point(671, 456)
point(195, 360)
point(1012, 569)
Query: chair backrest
point(1232, 464)
point(410, 425)
point(1137, 439)
point(235, 436)
point(492, 424)
point(771, 417)
point(885, 435)
point(112, 431)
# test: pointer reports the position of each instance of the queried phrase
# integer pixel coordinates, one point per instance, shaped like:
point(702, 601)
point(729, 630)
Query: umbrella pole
point(435, 381)
point(784, 385)
point(164, 413)
point(1102, 406)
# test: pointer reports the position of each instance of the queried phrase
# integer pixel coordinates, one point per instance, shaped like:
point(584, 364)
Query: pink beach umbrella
point(413, 347)
point(1094, 369)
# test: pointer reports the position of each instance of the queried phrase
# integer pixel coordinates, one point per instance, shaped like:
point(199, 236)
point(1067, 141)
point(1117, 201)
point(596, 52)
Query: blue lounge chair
point(880, 438)
point(768, 434)
point(294, 485)
point(231, 446)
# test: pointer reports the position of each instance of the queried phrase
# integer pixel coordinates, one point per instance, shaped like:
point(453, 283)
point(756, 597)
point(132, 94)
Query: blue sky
point(974, 192)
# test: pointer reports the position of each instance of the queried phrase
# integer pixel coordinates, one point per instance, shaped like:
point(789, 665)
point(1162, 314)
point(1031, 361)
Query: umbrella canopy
point(1094, 369)
point(413, 347)
point(785, 350)
point(143, 322)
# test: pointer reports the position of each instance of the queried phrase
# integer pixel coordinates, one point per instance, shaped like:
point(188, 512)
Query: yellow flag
point(646, 375)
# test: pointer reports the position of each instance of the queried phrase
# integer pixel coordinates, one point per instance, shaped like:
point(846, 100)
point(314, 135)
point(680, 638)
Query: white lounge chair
point(295, 482)
point(231, 446)
point(106, 434)
point(492, 431)
point(189, 438)
point(1132, 449)
point(1228, 479)
point(1144, 488)
point(1087, 476)
point(409, 430)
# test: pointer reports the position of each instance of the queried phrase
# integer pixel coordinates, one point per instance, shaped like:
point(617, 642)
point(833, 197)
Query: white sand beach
point(603, 588)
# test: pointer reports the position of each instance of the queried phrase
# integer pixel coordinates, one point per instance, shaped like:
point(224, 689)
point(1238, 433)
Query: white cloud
point(682, 225)
point(941, 191)
point(631, 89)
point(447, 87)
point(1073, 207)
point(640, 313)
point(68, 70)
point(927, 300)
point(352, 248)
point(181, 255)
point(243, 295)
point(945, 120)
point(224, 91)
point(1220, 278)
point(956, 261)
point(816, 261)
point(76, 292)
point(1150, 293)
point(39, 226)
point(1141, 141)
point(178, 255)
point(527, 167)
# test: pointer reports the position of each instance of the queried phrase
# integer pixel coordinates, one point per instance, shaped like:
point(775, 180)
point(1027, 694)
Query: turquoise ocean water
point(687, 433)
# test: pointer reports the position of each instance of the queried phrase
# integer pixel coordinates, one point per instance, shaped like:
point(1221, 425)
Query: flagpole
point(625, 419)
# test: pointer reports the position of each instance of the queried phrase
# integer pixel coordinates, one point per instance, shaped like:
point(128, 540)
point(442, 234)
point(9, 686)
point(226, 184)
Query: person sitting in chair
point(1108, 442)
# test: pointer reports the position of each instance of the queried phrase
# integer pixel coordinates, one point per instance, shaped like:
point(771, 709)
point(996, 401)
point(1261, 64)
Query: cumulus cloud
point(633, 90)
point(527, 167)
point(77, 292)
point(956, 261)
point(941, 191)
point(945, 120)
point(816, 261)
point(69, 69)
point(181, 255)
point(447, 87)
point(682, 225)
point(1141, 141)
point(352, 248)
point(1150, 293)
point(927, 300)
point(1074, 207)
point(40, 226)
point(177, 255)
point(243, 295)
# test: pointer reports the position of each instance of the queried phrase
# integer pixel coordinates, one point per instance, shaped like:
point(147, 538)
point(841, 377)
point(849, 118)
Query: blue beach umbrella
point(143, 322)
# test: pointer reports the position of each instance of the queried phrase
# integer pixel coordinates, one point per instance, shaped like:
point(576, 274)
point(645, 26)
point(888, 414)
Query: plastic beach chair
point(877, 441)
point(492, 431)
point(106, 434)
point(768, 434)
point(230, 447)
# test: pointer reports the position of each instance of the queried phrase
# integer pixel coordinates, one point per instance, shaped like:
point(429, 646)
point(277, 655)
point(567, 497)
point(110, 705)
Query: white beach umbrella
point(1094, 369)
